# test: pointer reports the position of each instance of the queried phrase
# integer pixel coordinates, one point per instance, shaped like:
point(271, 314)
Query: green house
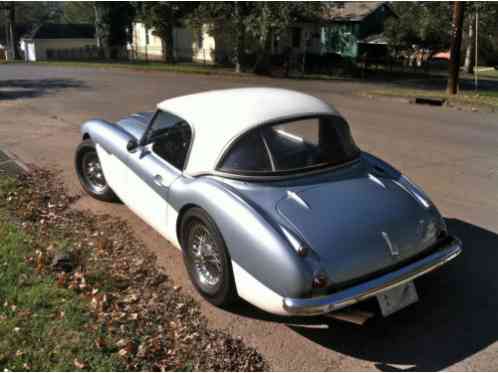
point(353, 28)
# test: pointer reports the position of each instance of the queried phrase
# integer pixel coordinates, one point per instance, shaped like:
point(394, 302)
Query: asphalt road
point(453, 154)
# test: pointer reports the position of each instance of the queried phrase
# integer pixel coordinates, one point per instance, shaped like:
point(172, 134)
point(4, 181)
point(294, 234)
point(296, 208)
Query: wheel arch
point(179, 221)
point(252, 241)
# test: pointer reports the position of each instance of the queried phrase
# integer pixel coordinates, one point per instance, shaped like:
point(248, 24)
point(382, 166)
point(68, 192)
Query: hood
point(361, 225)
point(136, 124)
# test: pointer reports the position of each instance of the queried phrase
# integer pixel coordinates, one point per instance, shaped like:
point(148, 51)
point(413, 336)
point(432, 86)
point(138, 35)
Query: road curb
point(10, 164)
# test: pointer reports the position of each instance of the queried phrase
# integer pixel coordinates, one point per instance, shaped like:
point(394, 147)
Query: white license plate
point(397, 298)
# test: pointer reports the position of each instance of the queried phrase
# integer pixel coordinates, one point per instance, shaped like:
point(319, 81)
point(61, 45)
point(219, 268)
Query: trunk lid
point(359, 225)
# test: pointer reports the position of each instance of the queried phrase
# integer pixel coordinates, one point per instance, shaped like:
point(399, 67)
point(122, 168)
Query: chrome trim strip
point(355, 294)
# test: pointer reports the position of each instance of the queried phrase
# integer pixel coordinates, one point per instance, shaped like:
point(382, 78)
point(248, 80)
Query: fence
point(87, 53)
point(290, 63)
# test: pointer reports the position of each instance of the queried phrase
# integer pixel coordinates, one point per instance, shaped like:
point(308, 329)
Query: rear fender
point(252, 241)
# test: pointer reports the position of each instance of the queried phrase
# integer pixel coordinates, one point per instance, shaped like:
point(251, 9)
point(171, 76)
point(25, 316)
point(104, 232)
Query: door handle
point(158, 180)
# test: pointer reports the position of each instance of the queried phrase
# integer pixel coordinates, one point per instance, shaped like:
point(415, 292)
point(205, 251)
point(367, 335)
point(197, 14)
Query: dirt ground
point(453, 154)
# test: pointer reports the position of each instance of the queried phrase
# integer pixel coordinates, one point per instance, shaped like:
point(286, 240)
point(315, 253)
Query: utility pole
point(456, 42)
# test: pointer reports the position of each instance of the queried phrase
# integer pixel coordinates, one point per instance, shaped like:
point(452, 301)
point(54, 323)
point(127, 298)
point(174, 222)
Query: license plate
point(397, 298)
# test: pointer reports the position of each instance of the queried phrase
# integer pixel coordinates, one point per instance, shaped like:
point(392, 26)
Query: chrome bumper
point(357, 293)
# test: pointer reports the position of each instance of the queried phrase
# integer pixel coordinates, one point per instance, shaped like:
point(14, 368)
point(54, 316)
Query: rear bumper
point(357, 293)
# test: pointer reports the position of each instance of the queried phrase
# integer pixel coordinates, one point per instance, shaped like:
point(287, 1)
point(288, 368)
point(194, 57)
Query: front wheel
point(90, 173)
point(206, 258)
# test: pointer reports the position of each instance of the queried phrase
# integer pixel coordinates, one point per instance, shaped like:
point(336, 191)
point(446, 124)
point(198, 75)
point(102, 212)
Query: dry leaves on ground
point(147, 320)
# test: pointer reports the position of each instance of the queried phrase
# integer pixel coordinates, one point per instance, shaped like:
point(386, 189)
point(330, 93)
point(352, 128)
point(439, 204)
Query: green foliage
point(426, 24)
point(259, 21)
point(78, 12)
point(162, 17)
point(113, 24)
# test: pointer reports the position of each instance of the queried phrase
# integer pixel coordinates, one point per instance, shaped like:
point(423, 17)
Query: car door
point(154, 167)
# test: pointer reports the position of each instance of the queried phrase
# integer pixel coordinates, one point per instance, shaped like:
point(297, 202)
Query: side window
point(170, 137)
point(247, 155)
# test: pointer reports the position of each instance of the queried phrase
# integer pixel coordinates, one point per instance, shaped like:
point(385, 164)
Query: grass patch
point(483, 98)
point(488, 72)
point(43, 327)
point(187, 68)
point(114, 308)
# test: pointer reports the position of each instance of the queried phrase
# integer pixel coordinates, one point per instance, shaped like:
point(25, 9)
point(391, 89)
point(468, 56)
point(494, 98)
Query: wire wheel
point(206, 257)
point(92, 172)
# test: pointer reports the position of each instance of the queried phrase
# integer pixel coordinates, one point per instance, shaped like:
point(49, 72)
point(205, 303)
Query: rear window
point(292, 147)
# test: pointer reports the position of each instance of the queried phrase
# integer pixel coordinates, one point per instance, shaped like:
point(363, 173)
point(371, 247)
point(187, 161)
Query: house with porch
point(348, 29)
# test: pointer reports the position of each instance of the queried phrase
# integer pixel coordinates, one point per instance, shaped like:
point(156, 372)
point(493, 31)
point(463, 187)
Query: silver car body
point(367, 226)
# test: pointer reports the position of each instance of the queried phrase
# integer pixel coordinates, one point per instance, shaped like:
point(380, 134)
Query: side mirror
point(132, 145)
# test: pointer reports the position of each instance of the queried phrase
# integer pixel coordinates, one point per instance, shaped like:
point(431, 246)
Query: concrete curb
point(10, 164)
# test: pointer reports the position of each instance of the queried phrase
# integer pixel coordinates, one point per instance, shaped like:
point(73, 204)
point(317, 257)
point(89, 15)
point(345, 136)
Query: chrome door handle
point(158, 180)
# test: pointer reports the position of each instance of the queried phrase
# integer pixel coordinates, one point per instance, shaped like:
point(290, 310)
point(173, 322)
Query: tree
point(268, 19)
point(26, 13)
point(113, 25)
point(78, 12)
point(456, 42)
point(230, 16)
point(10, 29)
point(424, 24)
point(260, 21)
point(488, 32)
point(162, 17)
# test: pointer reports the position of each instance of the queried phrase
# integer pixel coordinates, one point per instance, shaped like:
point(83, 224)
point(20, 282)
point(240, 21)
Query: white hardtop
point(221, 116)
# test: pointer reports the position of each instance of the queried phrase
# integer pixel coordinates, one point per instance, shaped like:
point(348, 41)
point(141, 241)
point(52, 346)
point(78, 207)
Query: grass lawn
point(483, 98)
point(43, 327)
point(489, 73)
point(189, 68)
point(113, 309)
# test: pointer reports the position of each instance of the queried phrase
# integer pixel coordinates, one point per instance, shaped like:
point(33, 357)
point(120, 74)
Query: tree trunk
point(469, 52)
point(456, 43)
point(102, 31)
point(167, 45)
point(240, 38)
point(11, 28)
point(263, 60)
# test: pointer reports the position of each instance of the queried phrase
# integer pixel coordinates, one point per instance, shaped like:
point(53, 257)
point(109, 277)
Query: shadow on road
point(457, 315)
point(31, 88)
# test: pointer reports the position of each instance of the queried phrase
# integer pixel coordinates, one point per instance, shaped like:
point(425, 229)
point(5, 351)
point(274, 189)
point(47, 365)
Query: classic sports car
point(267, 196)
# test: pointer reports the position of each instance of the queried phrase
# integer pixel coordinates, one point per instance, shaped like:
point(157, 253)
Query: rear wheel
point(90, 173)
point(206, 258)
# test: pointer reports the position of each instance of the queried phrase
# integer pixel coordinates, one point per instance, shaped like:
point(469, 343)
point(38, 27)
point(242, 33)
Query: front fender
point(111, 137)
point(253, 242)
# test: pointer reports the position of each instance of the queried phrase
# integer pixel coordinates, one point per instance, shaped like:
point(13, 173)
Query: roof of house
point(352, 10)
point(61, 31)
point(221, 116)
point(379, 39)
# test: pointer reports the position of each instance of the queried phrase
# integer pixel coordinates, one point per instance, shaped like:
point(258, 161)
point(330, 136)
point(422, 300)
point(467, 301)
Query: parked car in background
point(269, 199)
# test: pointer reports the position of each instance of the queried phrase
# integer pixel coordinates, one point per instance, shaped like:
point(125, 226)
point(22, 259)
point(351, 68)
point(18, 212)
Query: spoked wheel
point(207, 259)
point(90, 172)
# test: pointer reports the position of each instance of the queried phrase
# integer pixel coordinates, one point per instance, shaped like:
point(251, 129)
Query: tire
point(92, 181)
point(210, 258)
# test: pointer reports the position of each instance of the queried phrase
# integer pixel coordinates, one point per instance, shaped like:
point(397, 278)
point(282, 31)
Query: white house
point(51, 36)
point(188, 45)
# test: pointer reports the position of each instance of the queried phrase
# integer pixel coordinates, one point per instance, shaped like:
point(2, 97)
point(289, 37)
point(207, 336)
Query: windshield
point(291, 147)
